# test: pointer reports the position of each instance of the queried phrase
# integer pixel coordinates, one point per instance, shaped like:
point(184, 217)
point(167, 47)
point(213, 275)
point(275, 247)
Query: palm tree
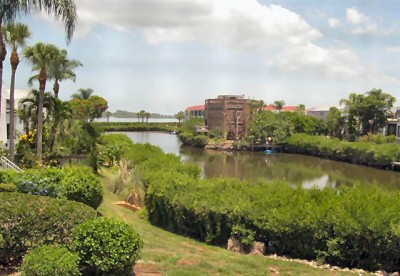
point(16, 36)
point(30, 106)
point(108, 115)
point(10, 9)
point(180, 116)
point(147, 115)
point(301, 108)
point(61, 68)
point(279, 105)
point(40, 56)
point(61, 112)
point(23, 114)
point(83, 94)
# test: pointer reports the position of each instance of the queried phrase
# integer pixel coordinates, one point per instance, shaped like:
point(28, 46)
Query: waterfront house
point(196, 111)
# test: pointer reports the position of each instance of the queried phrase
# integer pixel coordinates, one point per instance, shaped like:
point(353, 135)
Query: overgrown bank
point(351, 227)
point(136, 126)
point(361, 153)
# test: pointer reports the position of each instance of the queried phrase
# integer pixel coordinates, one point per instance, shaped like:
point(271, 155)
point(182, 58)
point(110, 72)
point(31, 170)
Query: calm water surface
point(297, 169)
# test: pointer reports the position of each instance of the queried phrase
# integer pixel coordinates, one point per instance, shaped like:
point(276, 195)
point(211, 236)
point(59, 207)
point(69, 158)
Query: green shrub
point(194, 140)
point(27, 221)
point(38, 181)
point(8, 187)
point(106, 246)
point(368, 153)
point(49, 260)
point(82, 185)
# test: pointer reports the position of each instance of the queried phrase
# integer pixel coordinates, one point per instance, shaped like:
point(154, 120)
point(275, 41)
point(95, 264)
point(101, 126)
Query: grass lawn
point(165, 253)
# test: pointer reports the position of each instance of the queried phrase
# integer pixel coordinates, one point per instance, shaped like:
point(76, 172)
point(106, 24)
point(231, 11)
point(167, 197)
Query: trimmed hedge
point(106, 246)
point(8, 187)
point(136, 126)
point(27, 221)
point(49, 260)
point(82, 185)
point(361, 153)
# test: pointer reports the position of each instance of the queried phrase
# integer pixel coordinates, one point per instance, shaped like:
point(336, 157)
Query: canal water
point(296, 169)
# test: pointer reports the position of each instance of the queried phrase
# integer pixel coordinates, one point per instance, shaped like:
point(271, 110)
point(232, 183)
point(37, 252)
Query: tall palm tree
point(40, 56)
point(16, 36)
point(61, 69)
point(10, 9)
point(83, 94)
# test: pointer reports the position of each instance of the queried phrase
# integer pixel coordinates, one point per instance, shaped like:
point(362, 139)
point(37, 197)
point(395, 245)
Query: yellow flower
point(24, 137)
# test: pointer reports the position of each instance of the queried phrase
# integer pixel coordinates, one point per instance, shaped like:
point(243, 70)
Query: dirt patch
point(274, 270)
point(187, 262)
point(148, 270)
point(127, 205)
point(188, 244)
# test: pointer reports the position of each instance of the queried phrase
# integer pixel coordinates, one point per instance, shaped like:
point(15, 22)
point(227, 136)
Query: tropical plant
point(180, 116)
point(147, 115)
point(16, 36)
point(279, 105)
point(40, 56)
point(10, 9)
point(61, 68)
point(108, 115)
point(83, 94)
point(29, 107)
point(60, 113)
point(335, 122)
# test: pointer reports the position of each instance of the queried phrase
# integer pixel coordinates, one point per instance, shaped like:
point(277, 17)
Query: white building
point(319, 112)
point(5, 113)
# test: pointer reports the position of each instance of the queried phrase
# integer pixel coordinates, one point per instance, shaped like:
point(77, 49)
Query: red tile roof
point(196, 107)
point(285, 108)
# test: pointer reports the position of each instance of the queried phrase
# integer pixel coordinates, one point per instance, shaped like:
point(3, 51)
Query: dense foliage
point(106, 246)
point(82, 185)
point(362, 153)
point(50, 260)
point(27, 221)
point(280, 126)
point(136, 126)
point(353, 227)
point(77, 183)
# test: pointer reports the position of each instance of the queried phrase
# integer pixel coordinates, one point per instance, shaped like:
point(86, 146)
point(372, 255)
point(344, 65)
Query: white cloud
point(393, 49)
point(238, 24)
point(363, 24)
point(355, 17)
point(334, 22)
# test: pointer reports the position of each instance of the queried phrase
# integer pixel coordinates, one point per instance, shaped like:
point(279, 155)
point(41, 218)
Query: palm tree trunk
point(56, 88)
point(3, 53)
point(12, 114)
point(14, 60)
point(42, 87)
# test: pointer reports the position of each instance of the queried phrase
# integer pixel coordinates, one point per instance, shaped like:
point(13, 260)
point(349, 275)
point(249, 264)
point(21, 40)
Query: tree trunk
point(14, 60)
point(3, 53)
point(42, 87)
point(56, 88)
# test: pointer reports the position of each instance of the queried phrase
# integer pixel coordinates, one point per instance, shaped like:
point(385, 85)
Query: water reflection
point(296, 169)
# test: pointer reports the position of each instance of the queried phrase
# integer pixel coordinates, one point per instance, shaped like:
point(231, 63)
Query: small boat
point(269, 151)
point(174, 132)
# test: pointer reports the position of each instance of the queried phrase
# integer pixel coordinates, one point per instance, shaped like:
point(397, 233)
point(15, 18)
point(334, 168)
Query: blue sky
point(162, 56)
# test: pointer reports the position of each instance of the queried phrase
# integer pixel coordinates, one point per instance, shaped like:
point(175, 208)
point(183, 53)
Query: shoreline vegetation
point(378, 154)
point(355, 227)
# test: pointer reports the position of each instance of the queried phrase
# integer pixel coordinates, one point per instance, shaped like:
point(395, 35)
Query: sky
point(165, 55)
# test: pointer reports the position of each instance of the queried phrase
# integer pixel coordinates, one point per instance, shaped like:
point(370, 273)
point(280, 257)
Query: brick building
point(230, 113)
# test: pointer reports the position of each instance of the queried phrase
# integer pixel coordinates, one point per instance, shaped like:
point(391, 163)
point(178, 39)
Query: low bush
point(27, 221)
point(136, 126)
point(194, 140)
point(8, 187)
point(50, 260)
point(361, 153)
point(106, 246)
point(38, 181)
point(82, 185)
